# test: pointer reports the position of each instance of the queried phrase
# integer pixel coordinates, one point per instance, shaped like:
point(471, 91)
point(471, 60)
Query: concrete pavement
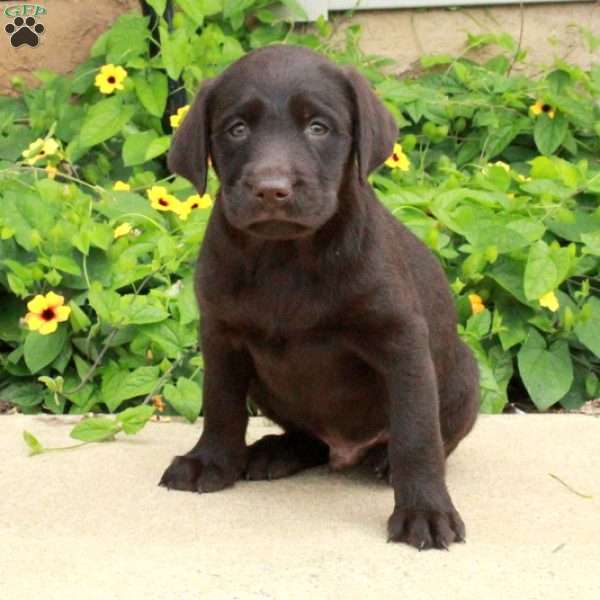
point(92, 524)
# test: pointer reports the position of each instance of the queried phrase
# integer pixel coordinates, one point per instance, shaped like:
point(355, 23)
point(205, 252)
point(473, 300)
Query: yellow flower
point(160, 199)
point(476, 302)
point(121, 186)
point(176, 119)
point(197, 201)
point(45, 312)
point(550, 301)
point(52, 171)
point(541, 107)
point(122, 230)
point(110, 78)
point(500, 164)
point(398, 160)
point(158, 403)
point(184, 209)
point(40, 149)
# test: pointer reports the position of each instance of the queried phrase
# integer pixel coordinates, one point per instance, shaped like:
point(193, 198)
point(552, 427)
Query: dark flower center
point(163, 202)
point(546, 108)
point(111, 79)
point(48, 314)
point(395, 156)
point(195, 205)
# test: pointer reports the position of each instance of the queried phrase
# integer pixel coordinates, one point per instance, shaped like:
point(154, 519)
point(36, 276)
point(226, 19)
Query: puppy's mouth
point(276, 229)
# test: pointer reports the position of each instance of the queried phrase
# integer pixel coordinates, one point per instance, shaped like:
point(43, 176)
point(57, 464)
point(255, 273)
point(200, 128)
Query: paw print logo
point(24, 32)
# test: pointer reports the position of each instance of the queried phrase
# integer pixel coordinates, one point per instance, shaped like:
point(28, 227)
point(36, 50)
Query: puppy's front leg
point(219, 458)
point(424, 515)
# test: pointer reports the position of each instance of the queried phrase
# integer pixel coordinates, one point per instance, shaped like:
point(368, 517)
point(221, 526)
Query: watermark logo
point(25, 28)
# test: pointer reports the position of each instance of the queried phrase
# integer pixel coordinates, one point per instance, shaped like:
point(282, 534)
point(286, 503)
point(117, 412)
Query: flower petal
point(121, 186)
point(50, 146)
point(122, 230)
point(48, 327)
point(53, 300)
point(38, 304)
point(549, 301)
point(62, 312)
point(33, 321)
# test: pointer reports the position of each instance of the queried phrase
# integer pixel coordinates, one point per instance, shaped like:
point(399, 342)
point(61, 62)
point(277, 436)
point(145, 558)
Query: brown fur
point(316, 302)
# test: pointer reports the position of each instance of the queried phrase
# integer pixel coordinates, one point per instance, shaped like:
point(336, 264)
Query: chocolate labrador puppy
point(316, 303)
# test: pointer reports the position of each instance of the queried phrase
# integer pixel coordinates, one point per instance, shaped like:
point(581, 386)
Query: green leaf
point(295, 9)
point(588, 330)
point(119, 385)
point(41, 350)
point(545, 270)
point(185, 398)
point(35, 447)
point(499, 138)
point(478, 325)
point(133, 419)
point(152, 91)
point(135, 147)
point(127, 205)
point(12, 310)
point(106, 303)
point(433, 60)
point(158, 6)
point(104, 120)
point(158, 146)
point(96, 429)
point(495, 371)
point(128, 37)
point(175, 53)
point(547, 373)
point(165, 336)
point(78, 319)
point(100, 235)
point(592, 242)
point(509, 274)
point(65, 264)
point(24, 395)
point(138, 310)
point(579, 223)
point(548, 133)
point(186, 301)
point(577, 395)
point(195, 10)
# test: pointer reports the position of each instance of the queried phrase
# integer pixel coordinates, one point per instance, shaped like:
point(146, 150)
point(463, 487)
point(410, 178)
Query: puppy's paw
point(378, 460)
point(424, 529)
point(276, 456)
point(194, 473)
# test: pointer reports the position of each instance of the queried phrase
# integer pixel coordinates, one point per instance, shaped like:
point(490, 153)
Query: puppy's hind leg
point(276, 456)
point(459, 399)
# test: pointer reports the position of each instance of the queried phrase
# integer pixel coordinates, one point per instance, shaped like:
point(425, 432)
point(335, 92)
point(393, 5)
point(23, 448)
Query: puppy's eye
point(317, 128)
point(238, 130)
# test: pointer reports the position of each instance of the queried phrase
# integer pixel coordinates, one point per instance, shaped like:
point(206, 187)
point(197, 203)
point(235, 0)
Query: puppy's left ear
point(188, 155)
point(375, 130)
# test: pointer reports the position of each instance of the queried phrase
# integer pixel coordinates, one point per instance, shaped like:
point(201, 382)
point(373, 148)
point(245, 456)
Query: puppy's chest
point(274, 302)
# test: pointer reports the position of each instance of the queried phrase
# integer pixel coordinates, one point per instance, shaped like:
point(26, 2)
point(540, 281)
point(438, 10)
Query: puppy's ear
point(375, 130)
point(188, 155)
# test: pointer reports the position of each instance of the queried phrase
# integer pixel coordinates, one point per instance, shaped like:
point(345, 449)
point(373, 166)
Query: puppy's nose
point(273, 191)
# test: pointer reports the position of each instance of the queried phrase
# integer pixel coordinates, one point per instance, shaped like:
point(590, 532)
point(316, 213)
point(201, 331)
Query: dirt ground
point(70, 29)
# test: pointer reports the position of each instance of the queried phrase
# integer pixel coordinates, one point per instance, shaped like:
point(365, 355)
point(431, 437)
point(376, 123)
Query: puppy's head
point(283, 127)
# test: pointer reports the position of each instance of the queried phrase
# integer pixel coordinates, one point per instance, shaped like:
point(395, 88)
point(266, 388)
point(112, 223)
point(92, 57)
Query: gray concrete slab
point(92, 523)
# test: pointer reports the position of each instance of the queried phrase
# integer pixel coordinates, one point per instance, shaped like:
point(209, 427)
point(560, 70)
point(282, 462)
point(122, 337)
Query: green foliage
point(98, 429)
point(506, 198)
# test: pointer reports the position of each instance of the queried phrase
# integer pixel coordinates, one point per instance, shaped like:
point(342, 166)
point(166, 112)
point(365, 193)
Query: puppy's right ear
point(188, 155)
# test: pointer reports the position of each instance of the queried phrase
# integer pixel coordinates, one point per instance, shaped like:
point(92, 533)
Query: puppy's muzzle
point(273, 218)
